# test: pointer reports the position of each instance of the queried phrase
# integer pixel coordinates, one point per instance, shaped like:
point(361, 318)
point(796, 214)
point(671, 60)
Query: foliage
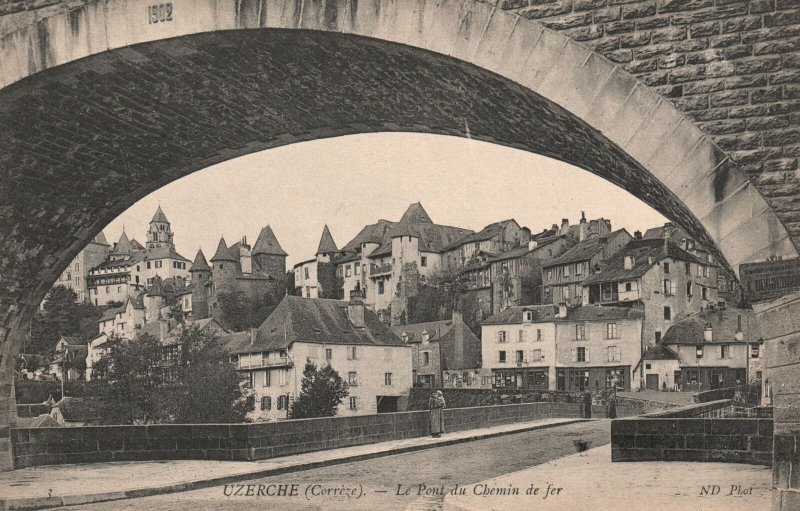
point(322, 391)
point(114, 304)
point(240, 312)
point(330, 284)
point(61, 316)
point(290, 284)
point(197, 385)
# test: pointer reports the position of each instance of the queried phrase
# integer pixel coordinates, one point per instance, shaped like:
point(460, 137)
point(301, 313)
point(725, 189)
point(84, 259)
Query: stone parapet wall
point(250, 442)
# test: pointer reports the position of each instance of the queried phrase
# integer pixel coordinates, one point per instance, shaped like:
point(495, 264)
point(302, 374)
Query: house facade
point(718, 347)
point(75, 276)
point(345, 335)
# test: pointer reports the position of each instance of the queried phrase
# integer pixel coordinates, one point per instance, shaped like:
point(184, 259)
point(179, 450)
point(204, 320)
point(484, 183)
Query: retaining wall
point(250, 442)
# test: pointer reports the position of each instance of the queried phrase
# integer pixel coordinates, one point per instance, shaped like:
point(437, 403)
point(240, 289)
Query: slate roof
point(602, 313)
point(100, 239)
point(110, 313)
point(484, 234)
point(444, 333)
point(163, 253)
point(642, 251)
point(416, 214)
point(584, 250)
point(156, 289)
point(123, 246)
point(436, 330)
point(267, 243)
point(200, 263)
point(513, 315)
point(432, 237)
point(159, 216)
point(316, 320)
point(372, 233)
point(659, 352)
point(222, 253)
point(136, 245)
point(724, 323)
point(524, 250)
point(547, 314)
point(326, 243)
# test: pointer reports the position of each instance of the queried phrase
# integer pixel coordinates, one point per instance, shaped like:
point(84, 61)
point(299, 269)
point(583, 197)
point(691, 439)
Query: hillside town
point(572, 307)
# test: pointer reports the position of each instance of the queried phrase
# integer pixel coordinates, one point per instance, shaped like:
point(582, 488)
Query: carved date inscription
point(159, 13)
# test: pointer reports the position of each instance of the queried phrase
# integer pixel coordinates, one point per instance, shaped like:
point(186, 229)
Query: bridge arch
point(100, 105)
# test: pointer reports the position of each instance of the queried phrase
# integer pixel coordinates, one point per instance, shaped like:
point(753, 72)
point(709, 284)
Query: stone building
point(255, 275)
point(439, 348)
point(714, 348)
point(309, 275)
point(131, 267)
point(345, 335)
point(75, 276)
point(658, 277)
point(495, 238)
point(563, 277)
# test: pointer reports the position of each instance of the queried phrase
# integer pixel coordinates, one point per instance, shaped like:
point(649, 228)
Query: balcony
point(264, 363)
point(384, 269)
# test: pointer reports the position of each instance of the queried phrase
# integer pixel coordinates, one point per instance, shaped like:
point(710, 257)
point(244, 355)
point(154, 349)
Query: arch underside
point(81, 142)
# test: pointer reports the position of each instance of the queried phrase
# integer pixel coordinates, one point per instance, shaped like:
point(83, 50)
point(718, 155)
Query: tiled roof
point(326, 243)
point(267, 243)
point(584, 250)
point(317, 321)
point(513, 315)
point(642, 251)
point(200, 263)
point(724, 323)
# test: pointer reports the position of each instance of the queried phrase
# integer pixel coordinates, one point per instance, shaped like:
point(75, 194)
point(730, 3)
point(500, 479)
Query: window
point(689, 289)
point(283, 377)
point(380, 287)
point(549, 274)
point(613, 354)
point(658, 336)
point(423, 261)
point(754, 351)
point(706, 271)
point(666, 267)
point(724, 351)
point(352, 353)
point(267, 379)
point(387, 379)
point(538, 355)
point(357, 269)
point(352, 379)
point(266, 403)
point(688, 268)
point(628, 286)
point(611, 330)
point(158, 264)
point(521, 337)
point(426, 358)
point(699, 270)
point(528, 316)
point(704, 291)
point(501, 357)
point(108, 289)
point(353, 403)
point(328, 354)
point(669, 287)
point(580, 332)
point(538, 334)
point(148, 265)
point(347, 270)
point(667, 314)
point(305, 272)
point(647, 366)
point(578, 269)
point(699, 352)
point(501, 336)
point(520, 356)
point(580, 354)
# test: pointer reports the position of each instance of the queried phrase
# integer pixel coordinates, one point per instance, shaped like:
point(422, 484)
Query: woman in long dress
point(437, 404)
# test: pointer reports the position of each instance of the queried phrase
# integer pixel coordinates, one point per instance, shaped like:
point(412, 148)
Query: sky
point(348, 182)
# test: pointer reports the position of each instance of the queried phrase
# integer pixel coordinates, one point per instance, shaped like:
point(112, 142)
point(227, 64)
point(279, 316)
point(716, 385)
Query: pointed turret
point(156, 289)
point(267, 244)
point(123, 246)
point(100, 239)
point(222, 253)
point(326, 243)
point(416, 214)
point(200, 263)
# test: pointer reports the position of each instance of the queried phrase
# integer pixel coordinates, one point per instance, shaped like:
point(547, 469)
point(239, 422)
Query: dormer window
point(528, 316)
point(404, 337)
point(629, 262)
point(425, 335)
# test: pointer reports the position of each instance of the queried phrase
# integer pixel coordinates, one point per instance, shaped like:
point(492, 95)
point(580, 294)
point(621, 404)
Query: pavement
point(64, 485)
point(591, 481)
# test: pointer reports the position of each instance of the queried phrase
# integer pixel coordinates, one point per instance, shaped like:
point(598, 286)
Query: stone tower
point(327, 247)
point(271, 261)
point(200, 273)
point(160, 233)
point(223, 272)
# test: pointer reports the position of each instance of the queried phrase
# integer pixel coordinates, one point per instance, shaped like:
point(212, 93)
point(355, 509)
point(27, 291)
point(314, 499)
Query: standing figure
point(437, 404)
point(612, 404)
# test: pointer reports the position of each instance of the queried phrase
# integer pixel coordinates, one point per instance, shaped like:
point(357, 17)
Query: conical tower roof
point(100, 239)
point(268, 244)
point(200, 263)
point(123, 246)
point(416, 214)
point(326, 243)
point(156, 289)
point(159, 216)
point(222, 253)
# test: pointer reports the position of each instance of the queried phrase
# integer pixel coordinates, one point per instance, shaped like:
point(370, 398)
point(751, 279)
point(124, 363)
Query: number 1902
point(159, 13)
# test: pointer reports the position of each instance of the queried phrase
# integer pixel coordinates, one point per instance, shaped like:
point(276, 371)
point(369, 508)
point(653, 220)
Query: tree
point(240, 312)
point(114, 304)
point(195, 385)
point(291, 290)
point(61, 316)
point(321, 392)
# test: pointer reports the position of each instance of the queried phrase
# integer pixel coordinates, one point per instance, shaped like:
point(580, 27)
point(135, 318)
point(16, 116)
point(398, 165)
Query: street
point(408, 481)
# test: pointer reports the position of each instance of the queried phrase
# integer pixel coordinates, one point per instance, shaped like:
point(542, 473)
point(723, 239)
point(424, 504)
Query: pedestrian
point(437, 404)
point(611, 411)
point(587, 405)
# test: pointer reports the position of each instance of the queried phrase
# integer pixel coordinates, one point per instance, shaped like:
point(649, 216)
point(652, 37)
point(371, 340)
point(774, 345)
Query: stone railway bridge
point(691, 105)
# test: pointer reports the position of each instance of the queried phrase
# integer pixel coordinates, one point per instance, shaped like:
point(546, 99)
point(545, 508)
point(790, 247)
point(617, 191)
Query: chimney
point(583, 229)
point(637, 235)
point(252, 333)
point(739, 336)
point(562, 310)
point(628, 262)
point(532, 244)
point(245, 259)
point(708, 333)
point(355, 309)
point(564, 226)
point(458, 345)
